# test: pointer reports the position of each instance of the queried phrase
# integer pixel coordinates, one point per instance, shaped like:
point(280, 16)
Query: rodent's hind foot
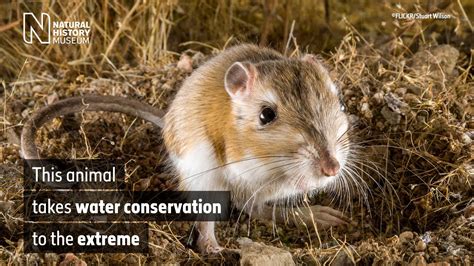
point(206, 241)
point(206, 245)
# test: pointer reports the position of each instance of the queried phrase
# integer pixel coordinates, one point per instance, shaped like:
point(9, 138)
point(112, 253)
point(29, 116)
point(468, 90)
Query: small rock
point(378, 97)
point(440, 58)
point(37, 88)
point(25, 113)
point(469, 211)
point(52, 98)
point(456, 196)
point(470, 134)
point(244, 227)
point(5, 206)
point(420, 246)
point(450, 238)
point(125, 67)
point(416, 90)
point(411, 98)
point(81, 78)
point(185, 63)
point(395, 104)
point(426, 237)
point(167, 86)
point(418, 260)
point(406, 236)
point(13, 138)
point(401, 91)
point(348, 93)
point(364, 107)
point(342, 259)
point(253, 253)
point(365, 110)
point(466, 139)
point(380, 125)
point(392, 117)
point(51, 258)
point(433, 250)
point(421, 118)
point(131, 260)
point(71, 259)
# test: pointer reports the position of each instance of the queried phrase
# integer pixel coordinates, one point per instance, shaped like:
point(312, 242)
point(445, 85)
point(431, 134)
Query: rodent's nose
point(329, 166)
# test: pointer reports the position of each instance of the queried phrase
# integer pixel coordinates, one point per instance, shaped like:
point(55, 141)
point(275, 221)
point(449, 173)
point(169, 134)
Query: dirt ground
point(402, 223)
point(409, 98)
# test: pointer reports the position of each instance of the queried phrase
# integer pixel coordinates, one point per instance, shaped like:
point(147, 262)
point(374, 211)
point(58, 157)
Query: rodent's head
point(288, 112)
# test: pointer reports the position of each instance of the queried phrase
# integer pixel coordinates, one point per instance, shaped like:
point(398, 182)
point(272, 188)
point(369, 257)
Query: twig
point(465, 16)
point(9, 26)
point(327, 11)
point(269, 12)
point(119, 31)
point(290, 37)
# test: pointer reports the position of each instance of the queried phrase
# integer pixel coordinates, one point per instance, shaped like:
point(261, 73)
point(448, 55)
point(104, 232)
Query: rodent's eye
point(342, 105)
point(267, 115)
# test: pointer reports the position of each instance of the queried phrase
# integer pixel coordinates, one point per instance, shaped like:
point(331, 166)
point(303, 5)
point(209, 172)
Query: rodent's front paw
point(323, 216)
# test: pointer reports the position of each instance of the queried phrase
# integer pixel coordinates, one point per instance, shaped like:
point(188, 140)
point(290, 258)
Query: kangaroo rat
point(250, 121)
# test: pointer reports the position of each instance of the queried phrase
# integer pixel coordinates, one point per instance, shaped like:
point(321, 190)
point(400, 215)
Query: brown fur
point(202, 107)
point(220, 105)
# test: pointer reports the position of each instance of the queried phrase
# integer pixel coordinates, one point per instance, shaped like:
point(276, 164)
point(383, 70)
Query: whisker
point(234, 162)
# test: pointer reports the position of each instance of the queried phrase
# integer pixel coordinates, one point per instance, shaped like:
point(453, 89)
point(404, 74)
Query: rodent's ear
point(239, 79)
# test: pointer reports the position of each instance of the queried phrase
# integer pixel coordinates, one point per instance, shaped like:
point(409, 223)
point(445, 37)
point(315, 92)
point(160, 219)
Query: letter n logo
point(43, 26)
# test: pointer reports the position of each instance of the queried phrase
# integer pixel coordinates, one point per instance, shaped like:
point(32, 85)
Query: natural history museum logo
point(43, 30)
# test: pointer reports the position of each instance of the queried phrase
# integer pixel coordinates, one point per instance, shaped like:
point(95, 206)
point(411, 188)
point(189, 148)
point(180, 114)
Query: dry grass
point(123, 32)
point(147, 32)
point(426, 156)
point(412, 115)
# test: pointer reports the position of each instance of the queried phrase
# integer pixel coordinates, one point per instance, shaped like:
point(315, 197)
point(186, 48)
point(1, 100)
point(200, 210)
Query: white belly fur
point(251, 181)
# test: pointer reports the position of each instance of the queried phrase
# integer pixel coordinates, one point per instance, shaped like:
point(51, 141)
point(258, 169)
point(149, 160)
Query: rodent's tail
point(79, 104)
